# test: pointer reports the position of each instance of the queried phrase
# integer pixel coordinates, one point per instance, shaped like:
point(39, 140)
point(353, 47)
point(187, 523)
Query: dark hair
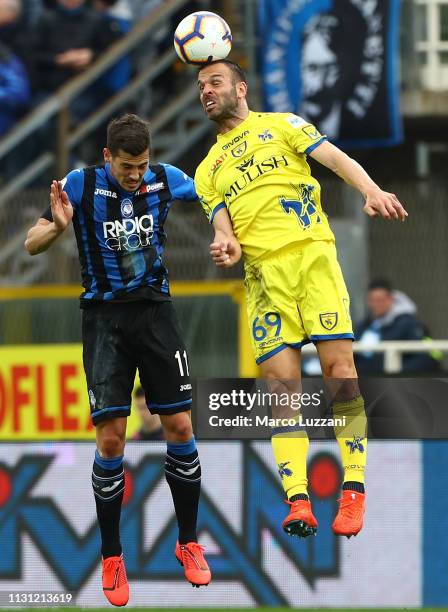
point(129, 133)
point(381, 283)
point(139, 392)
point(239, 76)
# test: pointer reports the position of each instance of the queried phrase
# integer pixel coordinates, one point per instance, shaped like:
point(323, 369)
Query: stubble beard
point(227, 108)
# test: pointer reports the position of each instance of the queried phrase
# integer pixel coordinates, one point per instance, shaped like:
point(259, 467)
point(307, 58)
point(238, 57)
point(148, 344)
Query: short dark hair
point(130, 133)
point(239, 76)
point(381, 283)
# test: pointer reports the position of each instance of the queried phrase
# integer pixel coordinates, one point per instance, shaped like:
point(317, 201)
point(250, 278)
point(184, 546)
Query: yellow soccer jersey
point(259, 172)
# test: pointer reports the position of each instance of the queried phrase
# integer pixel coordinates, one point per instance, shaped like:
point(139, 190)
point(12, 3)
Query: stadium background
point(400, 557)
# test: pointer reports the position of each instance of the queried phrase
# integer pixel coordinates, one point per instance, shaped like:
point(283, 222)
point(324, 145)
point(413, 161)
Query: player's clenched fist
point(226, 253)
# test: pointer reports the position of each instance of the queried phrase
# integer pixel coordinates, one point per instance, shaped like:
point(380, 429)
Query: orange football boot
point(115, 583)
point(350, 517)
point(191, 557)
point(300, 521)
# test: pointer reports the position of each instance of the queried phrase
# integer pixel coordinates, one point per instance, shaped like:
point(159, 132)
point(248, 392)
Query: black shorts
point(120, 338)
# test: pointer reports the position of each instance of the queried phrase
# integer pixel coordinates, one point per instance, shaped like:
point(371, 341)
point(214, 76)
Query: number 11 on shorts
point(178, 356)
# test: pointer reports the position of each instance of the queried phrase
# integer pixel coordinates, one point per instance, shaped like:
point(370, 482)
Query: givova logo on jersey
point(129, 234)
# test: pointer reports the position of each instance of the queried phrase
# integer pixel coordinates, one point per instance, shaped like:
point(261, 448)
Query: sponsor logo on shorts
point(92, 399)
point(328, 320)
point(271, 341)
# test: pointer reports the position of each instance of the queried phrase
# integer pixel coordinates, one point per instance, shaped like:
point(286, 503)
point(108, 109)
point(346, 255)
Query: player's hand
point(226, 253)
point(61, 207)
point(380, 203)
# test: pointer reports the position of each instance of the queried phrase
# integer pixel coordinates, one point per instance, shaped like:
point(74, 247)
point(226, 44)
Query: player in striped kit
point(129, 323)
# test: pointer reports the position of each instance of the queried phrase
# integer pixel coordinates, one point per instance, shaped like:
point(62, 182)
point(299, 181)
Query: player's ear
point(106, 154)
point(241, 89)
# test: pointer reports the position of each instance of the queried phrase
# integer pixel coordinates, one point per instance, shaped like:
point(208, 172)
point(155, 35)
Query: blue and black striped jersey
point(120, 234)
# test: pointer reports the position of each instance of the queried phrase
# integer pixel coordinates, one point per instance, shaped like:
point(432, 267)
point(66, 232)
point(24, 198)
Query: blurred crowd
point(44, 43)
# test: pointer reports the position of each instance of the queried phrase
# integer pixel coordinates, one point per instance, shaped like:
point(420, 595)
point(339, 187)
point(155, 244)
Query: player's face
point(379, 302)
point(127, 169)
point(218, 92)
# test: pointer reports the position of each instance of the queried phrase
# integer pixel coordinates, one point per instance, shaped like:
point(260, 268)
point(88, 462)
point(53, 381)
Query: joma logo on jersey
point(106, 192)
point(267, 165)
point(129, 234)
point(235, 140)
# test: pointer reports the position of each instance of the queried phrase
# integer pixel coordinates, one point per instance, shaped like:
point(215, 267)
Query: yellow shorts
point(297, 296)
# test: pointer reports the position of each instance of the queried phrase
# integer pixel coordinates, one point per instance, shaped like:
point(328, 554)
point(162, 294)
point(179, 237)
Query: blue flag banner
point(335, 63)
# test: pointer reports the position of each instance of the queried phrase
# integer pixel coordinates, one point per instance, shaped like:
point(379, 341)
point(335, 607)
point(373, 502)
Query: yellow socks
point(352, 437)
point(290, 452)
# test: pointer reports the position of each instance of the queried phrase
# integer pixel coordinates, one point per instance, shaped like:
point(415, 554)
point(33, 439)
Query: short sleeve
point(180, 184)
point(210, 201)
point(302, 136)
point(73, 185)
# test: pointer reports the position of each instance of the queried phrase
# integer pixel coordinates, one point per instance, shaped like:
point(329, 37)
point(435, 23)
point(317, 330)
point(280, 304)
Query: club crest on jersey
point(265, 136)
point(247, 163)
point(127, 208)
point(311, 132)
point(240, 150)
point(328, 320)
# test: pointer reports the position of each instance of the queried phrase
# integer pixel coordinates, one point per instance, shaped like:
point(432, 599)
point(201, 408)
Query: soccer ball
point(202, 37)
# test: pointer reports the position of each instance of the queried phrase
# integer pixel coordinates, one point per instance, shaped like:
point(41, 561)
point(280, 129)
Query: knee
point(110, 438)
point(339, 367)
point(288, 372)
point(111, 445)
point(178, 428)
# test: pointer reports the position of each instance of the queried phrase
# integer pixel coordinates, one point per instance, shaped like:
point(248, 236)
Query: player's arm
point(45, 232)
point(225, 250)
point(377, 202)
